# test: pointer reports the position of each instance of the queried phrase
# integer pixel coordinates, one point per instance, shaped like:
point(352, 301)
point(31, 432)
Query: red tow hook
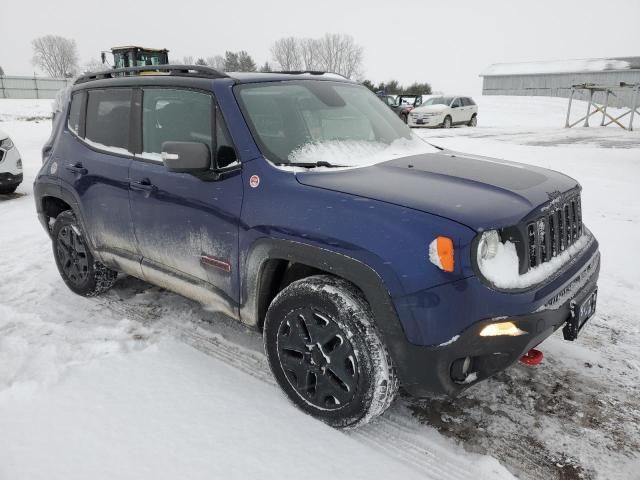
point(532, 358)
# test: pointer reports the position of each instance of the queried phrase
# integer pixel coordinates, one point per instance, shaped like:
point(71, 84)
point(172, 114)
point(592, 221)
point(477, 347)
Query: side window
point(77, 102)
point(470, 101)
point(107, 123)
point(225, 153)
point(172, 115)
point(456, 103)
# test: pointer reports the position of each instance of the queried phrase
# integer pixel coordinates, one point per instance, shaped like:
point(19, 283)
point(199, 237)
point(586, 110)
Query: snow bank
point(25, 109)
point(503, 269)
point(359, 153)
point(559, 66)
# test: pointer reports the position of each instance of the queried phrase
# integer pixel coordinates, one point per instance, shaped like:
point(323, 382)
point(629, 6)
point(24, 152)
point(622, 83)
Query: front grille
point(556, 230)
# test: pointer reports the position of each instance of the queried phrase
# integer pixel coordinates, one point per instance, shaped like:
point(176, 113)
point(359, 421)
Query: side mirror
point(186, 157)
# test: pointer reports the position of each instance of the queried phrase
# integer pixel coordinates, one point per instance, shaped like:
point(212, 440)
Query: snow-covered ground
point(141, 383)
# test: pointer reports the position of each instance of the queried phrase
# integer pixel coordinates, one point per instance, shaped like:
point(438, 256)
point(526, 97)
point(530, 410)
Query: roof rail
point(310, 72)
point(177, 70)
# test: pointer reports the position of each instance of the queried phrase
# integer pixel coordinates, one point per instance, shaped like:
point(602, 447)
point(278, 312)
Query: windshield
point(439, 101)
point(312, 121)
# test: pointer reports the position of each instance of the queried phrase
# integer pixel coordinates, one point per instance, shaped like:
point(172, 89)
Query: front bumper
point(431, 121)
point(10, 179)
point(426, 370)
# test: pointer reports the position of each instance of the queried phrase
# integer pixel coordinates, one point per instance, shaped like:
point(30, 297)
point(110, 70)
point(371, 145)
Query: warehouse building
point(554, 79)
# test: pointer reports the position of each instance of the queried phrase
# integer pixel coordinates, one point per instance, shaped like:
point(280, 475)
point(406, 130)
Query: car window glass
point(107, 123)
point(171, 115)
point(225, 152)
point(74, 112)
point(456, 103)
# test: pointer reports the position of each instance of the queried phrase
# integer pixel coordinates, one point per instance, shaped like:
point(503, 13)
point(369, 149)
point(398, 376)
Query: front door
point(186, 226)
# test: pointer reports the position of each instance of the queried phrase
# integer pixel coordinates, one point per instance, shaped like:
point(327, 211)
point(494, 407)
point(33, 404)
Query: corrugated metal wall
point(31, 87)
point(559, 85)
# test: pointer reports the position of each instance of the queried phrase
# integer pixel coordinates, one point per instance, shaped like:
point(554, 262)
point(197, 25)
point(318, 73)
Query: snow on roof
point(561, 66)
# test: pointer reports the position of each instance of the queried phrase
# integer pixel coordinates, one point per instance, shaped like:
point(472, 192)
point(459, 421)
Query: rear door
point(94, 157)
point(186, 225)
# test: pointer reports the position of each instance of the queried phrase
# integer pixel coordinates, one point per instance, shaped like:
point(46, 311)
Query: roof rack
point(177, 70)
point(310, 72)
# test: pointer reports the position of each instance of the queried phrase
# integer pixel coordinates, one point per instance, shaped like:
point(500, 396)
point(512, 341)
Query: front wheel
point(326, 353)
point(79, 270)
point(447, 122)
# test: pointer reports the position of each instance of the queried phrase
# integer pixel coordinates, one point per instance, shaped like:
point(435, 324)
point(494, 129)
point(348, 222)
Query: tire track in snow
point(393, 434)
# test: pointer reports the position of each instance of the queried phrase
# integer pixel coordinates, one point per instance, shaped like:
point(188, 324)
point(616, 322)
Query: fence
point(31, 87)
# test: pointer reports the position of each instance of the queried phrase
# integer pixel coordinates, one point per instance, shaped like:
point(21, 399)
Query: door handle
point(77, 168)
point(144, 185)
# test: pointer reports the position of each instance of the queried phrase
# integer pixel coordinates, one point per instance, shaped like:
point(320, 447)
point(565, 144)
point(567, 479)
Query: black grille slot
point(550, 234)
point(533, 256)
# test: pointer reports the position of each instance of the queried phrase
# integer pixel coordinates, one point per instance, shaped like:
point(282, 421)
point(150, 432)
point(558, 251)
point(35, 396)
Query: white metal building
point(554, 79)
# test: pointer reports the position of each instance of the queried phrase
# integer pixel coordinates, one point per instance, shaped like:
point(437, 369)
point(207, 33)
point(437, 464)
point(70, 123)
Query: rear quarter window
point(77, 101)
point(108, 117)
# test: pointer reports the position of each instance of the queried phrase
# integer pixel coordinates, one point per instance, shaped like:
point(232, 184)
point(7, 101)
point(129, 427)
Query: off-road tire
point(79, 270)
point(447, 122)
point(348, 343)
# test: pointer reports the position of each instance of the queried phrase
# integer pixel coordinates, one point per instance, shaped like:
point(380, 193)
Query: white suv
point(445, 112)
point(10, 165)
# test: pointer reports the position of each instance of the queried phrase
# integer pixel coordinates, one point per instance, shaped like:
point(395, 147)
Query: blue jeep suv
point(300, 205)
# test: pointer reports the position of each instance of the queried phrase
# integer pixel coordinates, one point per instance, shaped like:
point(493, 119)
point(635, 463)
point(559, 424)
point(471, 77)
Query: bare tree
point(334, 52)
point(58, 56)
point(339, 53)
point(187, 60)
point(286, 53)
point(216, 62)
point(309, 53)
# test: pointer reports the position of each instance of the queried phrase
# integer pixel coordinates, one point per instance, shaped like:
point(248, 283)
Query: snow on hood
point(360, 153)
point(561, 66)
point(3, 135)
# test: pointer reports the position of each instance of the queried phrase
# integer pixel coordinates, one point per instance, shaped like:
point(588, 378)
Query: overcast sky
point(446, 43)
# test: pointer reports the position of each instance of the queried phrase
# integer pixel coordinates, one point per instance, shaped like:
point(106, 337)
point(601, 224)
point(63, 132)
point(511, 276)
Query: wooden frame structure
point(607, 90)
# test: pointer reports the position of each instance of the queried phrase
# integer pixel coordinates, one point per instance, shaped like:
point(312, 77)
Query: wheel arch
point(52, 199)
point(265, 273)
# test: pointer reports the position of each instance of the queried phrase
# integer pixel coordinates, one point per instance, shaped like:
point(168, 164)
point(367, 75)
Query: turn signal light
point(503, 328)
point(441, 253)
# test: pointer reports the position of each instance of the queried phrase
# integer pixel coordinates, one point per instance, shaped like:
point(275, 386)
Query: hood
point(479, 192)
point(3, 135)
point(431, 108)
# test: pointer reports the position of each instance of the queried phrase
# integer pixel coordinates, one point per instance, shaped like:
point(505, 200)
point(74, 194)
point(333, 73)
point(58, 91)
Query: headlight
point(488, 245)
point(6, 144)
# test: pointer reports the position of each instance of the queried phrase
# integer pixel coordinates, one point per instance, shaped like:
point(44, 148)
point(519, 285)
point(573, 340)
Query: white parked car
point(444, 112)
point(10, 165)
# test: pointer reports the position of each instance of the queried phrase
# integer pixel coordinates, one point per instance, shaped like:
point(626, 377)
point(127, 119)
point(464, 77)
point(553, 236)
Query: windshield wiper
point(321, 163)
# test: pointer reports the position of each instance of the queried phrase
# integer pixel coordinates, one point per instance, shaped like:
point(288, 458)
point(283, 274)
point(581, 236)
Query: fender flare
point(43, 188)
point(361, 275)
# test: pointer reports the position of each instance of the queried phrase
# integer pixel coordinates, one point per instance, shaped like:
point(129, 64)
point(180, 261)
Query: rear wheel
point(79, 270)
point(447, 122)
point(326, 353)
point(474, 121)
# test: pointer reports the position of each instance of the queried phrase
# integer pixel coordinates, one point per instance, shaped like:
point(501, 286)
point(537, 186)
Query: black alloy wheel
point(317, 358)
point(72, 253)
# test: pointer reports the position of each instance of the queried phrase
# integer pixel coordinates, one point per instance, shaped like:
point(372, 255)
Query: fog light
point(503, 328)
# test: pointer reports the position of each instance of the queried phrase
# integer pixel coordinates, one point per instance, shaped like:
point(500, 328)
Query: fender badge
point(254, 181)
point(54, 168)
